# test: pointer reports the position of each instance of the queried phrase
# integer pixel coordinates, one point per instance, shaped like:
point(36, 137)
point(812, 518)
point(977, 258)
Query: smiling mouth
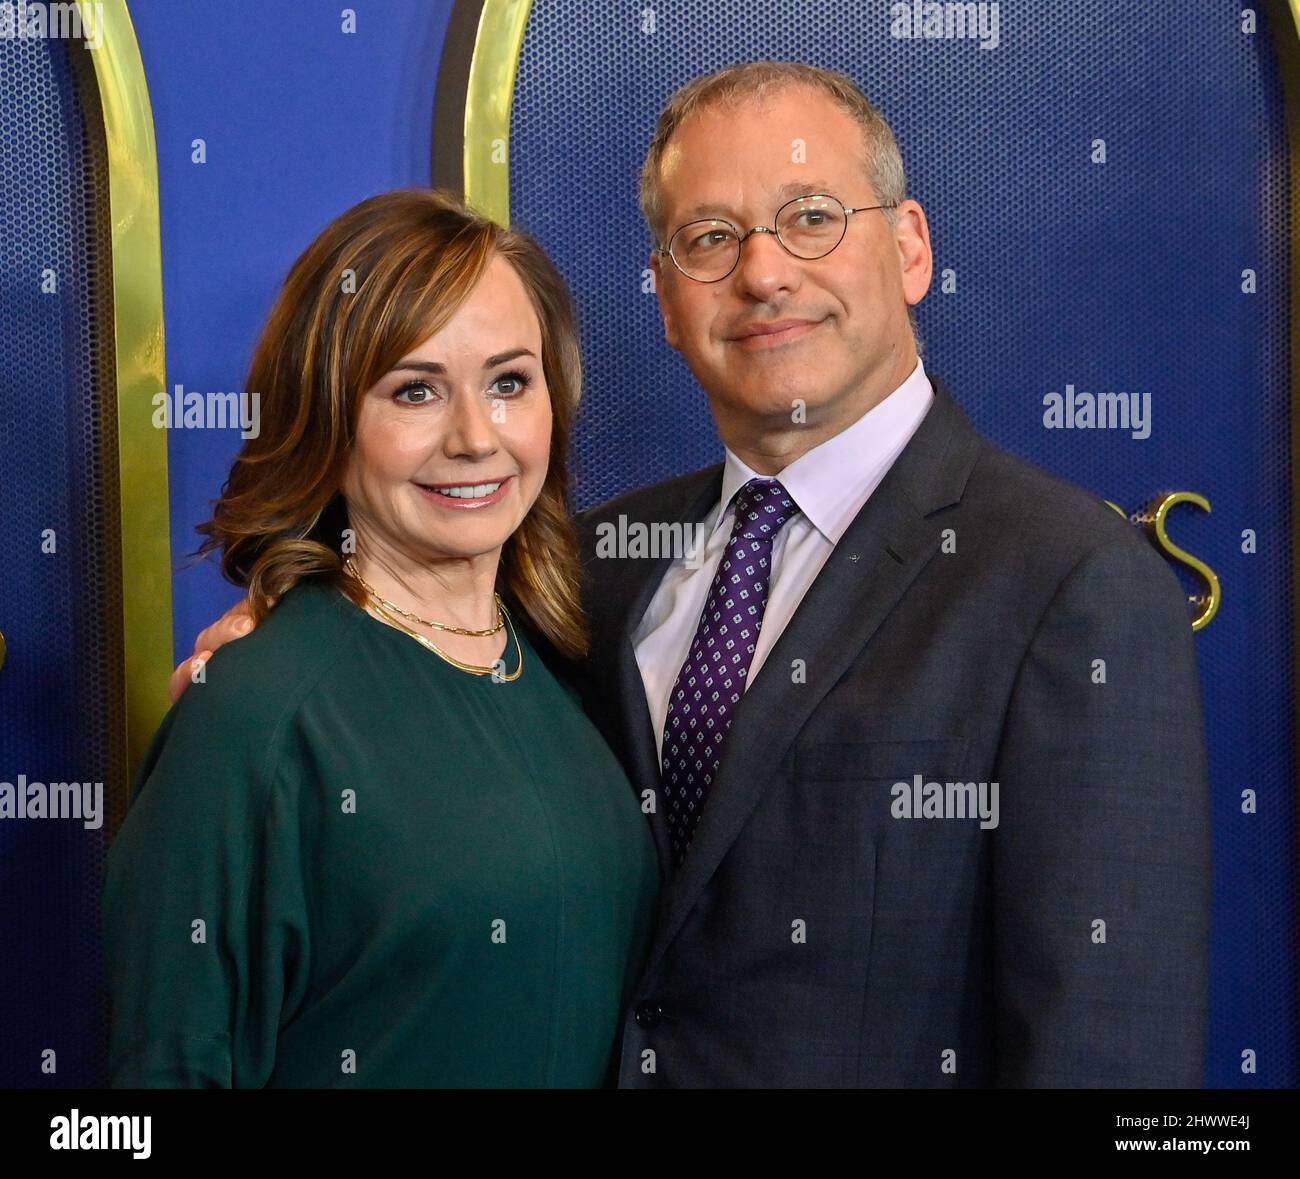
point(467, 495)
point(770, 335)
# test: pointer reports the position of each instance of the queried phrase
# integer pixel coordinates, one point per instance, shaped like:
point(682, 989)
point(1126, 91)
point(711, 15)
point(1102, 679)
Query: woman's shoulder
point(299, 629)
point(253, 680)
point(232, 723)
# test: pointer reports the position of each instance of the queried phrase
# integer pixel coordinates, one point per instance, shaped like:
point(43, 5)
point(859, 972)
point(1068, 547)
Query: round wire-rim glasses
point(808, 227)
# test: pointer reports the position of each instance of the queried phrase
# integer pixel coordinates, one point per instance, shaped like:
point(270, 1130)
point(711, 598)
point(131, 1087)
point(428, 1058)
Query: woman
point(380, 844)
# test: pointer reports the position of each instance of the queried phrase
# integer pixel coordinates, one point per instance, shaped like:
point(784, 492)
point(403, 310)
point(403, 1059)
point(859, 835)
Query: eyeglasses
point(808, 227)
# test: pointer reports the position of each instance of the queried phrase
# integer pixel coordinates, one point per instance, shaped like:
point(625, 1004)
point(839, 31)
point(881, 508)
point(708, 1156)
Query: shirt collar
point(831, 482)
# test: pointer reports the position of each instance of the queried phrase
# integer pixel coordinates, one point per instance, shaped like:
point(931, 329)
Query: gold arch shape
point(489, 98)
point(140, 370)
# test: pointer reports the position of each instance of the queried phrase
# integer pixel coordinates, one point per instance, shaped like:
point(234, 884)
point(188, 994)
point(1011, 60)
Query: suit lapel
point(639, 738)
point(884, 549)
point(635, 583)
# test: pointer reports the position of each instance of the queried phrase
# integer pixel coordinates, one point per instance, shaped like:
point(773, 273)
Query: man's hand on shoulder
point(235, 623)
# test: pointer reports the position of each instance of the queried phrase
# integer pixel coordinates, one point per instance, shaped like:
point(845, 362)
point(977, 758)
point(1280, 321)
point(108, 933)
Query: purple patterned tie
point(712, 679)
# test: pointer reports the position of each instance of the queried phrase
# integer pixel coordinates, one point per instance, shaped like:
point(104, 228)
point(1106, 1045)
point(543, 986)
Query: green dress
point(349, 864)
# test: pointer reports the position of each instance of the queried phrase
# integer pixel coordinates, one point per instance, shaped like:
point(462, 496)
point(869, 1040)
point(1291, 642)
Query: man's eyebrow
point(438, 369)
point(786, 192)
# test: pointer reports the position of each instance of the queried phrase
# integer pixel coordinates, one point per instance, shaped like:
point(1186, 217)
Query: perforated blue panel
point(60, 692)
point(1124, 275)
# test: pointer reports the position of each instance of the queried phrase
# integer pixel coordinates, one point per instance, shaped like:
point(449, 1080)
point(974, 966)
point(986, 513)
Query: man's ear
point(915, 256)
point(671, 333)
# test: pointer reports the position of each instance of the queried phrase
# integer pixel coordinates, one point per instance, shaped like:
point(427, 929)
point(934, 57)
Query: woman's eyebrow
point(509, 354)
point(419, 366)
point(437, 368)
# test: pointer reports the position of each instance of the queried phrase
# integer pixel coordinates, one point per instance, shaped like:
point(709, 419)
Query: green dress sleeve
point(204, 912)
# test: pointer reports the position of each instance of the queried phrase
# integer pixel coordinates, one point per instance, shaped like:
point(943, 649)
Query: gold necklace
point(472, 668)
point(396, 609)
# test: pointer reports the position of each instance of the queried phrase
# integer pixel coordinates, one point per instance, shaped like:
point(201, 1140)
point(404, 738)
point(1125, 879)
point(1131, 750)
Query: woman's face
point(452, 444)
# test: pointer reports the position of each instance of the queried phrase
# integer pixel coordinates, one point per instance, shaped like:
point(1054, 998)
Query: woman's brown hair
point(377, 282)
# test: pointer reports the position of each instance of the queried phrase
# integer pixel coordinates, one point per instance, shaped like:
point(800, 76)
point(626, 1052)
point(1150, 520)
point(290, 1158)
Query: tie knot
point(762, 508)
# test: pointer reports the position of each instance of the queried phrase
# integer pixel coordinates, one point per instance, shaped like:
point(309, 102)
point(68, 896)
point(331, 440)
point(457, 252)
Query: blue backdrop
point(1122, 275)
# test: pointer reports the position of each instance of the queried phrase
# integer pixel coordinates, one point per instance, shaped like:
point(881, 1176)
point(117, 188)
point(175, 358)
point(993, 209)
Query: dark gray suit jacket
point(812, 938)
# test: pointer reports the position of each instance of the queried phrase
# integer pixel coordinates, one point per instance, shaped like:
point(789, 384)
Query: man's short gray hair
point(755, 81)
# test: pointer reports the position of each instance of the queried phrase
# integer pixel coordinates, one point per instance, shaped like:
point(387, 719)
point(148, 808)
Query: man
point(918, 732)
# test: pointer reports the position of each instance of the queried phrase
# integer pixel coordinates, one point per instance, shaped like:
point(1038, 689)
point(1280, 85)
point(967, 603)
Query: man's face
point(847, 340)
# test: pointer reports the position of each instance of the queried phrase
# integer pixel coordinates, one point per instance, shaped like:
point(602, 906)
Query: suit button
point(648, 1014)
